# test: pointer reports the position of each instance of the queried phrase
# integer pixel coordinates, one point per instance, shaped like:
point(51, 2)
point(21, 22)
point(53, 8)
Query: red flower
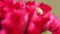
point(26, 18)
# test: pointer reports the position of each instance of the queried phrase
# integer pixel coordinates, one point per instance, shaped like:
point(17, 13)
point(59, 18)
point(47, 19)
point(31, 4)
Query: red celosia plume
point(30, 17)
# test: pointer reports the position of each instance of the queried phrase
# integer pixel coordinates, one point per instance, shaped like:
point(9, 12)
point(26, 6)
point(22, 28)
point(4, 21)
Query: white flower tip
point(39, 11)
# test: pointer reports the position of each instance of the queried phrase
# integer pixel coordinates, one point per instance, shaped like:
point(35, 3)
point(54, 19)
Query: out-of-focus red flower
point(27, 18)
point(3, 31)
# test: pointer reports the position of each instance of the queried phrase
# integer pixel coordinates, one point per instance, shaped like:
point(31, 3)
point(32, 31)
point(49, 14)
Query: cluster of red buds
point(30, 17)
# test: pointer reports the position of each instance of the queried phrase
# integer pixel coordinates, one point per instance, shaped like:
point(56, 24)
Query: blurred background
point(55, 4)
